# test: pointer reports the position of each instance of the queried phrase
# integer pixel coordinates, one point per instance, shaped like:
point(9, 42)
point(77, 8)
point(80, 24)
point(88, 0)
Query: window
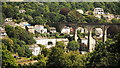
point(50, 43)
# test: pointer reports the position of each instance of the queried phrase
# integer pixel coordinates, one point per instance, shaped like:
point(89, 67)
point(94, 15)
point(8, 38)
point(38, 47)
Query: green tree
point(74, 16)
point(56, 57)
point(38, 20)
point(9, 43)
point(114, 20)
point(73, 45)
point(7, 58)
point(60, 44)
point(19, 33)
point(91, 19)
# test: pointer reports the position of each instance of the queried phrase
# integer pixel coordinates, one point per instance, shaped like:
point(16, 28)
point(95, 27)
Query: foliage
point(7, 58)
point(46, 52)
point(73, 45)
point(60, 44)
point(104, 55)
point(8, 43)
point(56, 57)
point(42, 13)
point(114, 20)
point(19, 33)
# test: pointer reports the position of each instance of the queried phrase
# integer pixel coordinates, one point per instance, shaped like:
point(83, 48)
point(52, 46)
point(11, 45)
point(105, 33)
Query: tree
point(55, 57)
point(60, 44)
point(74, 58)
point(73, 45)
point(42, 61)
point(7, 58)
point(46, 52)
point(104, 55)
point(19, 33)
point(64, 11)
point(75, 16)
point(9, 43)
point(39, 20)
point(114, 20)
point(92, 19)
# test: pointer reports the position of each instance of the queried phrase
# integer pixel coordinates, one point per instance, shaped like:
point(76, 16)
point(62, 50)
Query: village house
point(85, 42)
point(80, 11)
point(82, 30)
point(30, 29)
point(24, 24)
point(117, 16)
point(40, 29)
point(98, 32)
point(89, 13)
point(22, 11)
point(35, 49)
point(50, 42)
point(52, 29)
point(66, 30)
point(10, 23)
point(8, 20)
point(98, 11)
point(108, 16)
point(2, 33)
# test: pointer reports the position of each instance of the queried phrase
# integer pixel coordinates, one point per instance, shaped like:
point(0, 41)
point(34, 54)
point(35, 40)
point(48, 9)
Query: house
point(117, 16)
point(85, 42)
point(8, 20)
point(2, 32)
point(66, 41)
point(50, 42)
point(24, 24)
point(22, 11)
point(98, 16)
point(47, 42)
point(40, 29)
point(82, 30)
point(109, 16)
point(30, 29)
point(10, 23)
point(99, 32)
point(66, 30)
point(52, 29)
point(80, 11)
point(89, 13)
point(35, 49)
point(98, 11)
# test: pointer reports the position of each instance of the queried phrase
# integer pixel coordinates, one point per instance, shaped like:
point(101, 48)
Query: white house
point(84, 41)
point(24, 24)
point(47, 42)
point(30, 29)
point(40, 29)
point(109, 16)
point(35, 49)
point(22, 11)
point(82, 30)
point(2, 32)
point(50, 42)
point(117, 16)
point(92, 45)
point(8, 20)
point(52, 29)
point(98, 11)
point(99, 32)
point(80, 11)
point(66, 30)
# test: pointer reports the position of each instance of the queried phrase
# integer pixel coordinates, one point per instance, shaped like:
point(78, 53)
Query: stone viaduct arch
point(89, 27)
